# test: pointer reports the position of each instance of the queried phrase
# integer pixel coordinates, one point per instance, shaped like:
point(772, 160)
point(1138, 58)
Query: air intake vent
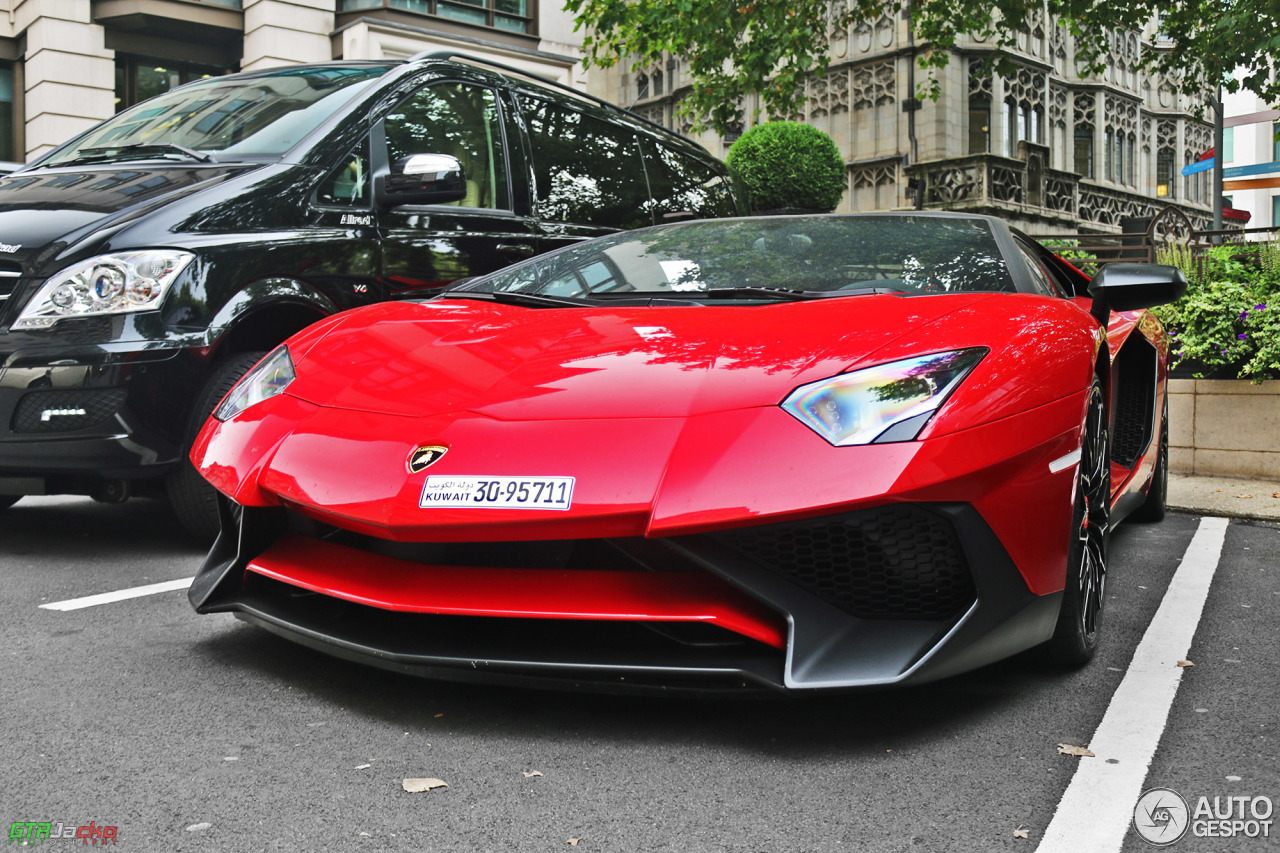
point(63, 411)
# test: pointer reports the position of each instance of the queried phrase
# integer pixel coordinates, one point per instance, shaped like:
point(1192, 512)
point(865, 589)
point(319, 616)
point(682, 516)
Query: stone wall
point(1228, 428)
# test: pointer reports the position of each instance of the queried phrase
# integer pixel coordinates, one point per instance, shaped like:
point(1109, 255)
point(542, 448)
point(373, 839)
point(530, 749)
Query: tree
point(771, 47)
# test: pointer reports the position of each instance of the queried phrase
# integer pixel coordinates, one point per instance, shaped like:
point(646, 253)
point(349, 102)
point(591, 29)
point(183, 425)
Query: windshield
point(818, 255)
point(229, 117)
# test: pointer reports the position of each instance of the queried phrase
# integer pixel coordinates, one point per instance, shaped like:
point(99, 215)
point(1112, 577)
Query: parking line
point(1095, 812)
point(119, 595)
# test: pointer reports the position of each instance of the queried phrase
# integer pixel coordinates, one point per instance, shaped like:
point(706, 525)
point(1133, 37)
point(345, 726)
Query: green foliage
point(788, 164)
point(1228, 324)
point(771, 46)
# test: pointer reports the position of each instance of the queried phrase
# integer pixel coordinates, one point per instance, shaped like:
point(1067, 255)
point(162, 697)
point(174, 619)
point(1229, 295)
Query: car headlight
point(888, 402)
point(268, 378)
point(118, 283)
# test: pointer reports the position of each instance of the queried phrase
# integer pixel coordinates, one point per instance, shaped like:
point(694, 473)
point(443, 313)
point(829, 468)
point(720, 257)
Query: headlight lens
point(889, 402)
point(108, 284)
point(268, 378)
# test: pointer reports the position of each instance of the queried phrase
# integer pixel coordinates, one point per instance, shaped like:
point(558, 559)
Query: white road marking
point(1095, 812)
point(119, 595)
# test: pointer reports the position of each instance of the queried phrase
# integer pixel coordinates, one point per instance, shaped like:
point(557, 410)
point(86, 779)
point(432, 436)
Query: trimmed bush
point(786, 164)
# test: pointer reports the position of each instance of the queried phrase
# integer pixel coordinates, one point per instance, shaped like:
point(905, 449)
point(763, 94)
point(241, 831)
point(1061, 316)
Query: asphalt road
point(200, 733)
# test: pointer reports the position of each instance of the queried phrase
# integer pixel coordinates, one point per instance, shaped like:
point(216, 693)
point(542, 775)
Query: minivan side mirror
point(1128, 287)
point(421, 179)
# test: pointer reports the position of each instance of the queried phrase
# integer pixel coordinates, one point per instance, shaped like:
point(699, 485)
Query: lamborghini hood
point(517, 363)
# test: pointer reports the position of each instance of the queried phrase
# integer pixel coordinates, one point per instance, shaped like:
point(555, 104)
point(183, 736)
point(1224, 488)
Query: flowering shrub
point(1228, 324)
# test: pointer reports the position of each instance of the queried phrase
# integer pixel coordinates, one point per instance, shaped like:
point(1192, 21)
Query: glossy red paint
point(403, 586)
point(668, 418)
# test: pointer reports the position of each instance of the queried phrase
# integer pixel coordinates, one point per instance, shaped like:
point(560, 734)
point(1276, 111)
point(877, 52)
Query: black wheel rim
point(1094, 514)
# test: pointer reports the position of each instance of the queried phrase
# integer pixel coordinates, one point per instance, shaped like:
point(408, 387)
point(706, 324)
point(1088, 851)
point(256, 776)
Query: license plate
point(462, 492)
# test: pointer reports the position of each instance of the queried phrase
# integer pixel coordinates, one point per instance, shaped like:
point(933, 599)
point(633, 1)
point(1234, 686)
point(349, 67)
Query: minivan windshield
point(769, 258)
point(243, 117)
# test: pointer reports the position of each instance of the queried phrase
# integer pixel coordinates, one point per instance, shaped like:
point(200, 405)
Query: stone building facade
point(67, 64)
point(1049, 148)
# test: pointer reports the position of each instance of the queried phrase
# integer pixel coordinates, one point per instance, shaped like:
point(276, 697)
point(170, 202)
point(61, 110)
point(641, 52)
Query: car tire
point(1075, 638)
point(7, 501)
point(1153, 508)
point(194, 501)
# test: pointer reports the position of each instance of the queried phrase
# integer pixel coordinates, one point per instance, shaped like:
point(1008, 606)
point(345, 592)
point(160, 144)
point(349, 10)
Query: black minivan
point(148, 263)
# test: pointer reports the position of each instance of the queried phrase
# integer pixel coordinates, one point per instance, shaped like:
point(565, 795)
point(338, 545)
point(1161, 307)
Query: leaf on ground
point(1185, 663)
point(363, 766)
point(1275, 494)
point(1068, 749)
point(417, 786)
point(1021, 833)
point(1244, 496)
point(529, 774)
point(572, 842)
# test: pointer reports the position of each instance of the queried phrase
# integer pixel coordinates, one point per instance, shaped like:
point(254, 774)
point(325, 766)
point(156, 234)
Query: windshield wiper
point(515, 297)
point(784, 294)
point(108, 153)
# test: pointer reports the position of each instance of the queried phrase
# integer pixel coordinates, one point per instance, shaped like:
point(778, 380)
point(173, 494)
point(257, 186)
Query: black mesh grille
point(889, 563)
point(1134, 399)
point(62, 411)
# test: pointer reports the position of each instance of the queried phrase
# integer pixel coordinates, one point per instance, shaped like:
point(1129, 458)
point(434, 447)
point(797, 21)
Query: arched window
point(1164, 173)
point(1084, 149)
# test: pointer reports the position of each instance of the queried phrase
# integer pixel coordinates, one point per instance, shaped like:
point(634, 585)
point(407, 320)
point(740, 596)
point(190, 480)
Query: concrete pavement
point(1225, 496)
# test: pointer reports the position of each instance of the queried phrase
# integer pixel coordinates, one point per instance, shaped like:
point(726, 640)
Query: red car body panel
point(669, 420)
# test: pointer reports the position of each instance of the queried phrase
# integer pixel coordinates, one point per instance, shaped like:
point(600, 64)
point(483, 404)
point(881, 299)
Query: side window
point(1039, 278)
point(348, 185)
point(585, 170)
point(682, 184)
point(460, 120)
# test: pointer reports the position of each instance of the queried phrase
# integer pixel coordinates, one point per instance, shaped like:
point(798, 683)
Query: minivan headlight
point(888, 402)
point(266, 379)
point(118, 283)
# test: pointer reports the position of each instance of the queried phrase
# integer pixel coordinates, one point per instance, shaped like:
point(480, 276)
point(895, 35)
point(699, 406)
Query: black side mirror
point(422, 179)
point(1128, 287)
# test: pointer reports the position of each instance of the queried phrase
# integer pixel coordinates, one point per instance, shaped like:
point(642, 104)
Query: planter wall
point(1224, 427)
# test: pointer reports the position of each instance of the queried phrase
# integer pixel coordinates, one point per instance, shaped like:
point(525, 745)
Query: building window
point(139, 78)
point(1131, 161)
point(1164, 173)
point(1021, 122)
point(1228, 144)
point(1109, 155)
point(642, 86)
point(7, 151)
point(515, 16)
point(1084, 150)
point(1275, 210)
point(979, 124)
point(1275, 145)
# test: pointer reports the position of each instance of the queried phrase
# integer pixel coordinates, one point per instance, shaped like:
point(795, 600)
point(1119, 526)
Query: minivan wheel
point(194, 501)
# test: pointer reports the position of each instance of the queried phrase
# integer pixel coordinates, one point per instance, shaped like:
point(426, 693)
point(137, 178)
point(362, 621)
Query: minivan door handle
point(524, 250)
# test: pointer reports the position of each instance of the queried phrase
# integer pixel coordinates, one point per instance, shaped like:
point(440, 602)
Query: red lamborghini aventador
point(793, 452)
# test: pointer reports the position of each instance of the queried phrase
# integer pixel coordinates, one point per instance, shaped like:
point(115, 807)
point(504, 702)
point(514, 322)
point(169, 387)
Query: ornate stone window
point(1084, 135)
point(979, 109)
point(1164, 172)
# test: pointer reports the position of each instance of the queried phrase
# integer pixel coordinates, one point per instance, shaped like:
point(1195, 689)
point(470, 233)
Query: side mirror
point(422, 179)
point(1128, 287)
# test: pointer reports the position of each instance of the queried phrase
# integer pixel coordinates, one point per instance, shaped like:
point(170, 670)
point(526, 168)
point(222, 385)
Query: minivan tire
point(194, 501)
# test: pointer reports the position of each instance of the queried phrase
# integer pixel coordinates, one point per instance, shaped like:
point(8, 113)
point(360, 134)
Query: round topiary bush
point(786, 164)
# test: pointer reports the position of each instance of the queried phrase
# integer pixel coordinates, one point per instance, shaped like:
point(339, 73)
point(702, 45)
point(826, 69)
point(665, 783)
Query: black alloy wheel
point(1075, 638)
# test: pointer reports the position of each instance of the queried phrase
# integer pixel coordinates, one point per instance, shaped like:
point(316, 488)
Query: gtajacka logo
point(27, 833)
point(1161, 816)
point(425, 456)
